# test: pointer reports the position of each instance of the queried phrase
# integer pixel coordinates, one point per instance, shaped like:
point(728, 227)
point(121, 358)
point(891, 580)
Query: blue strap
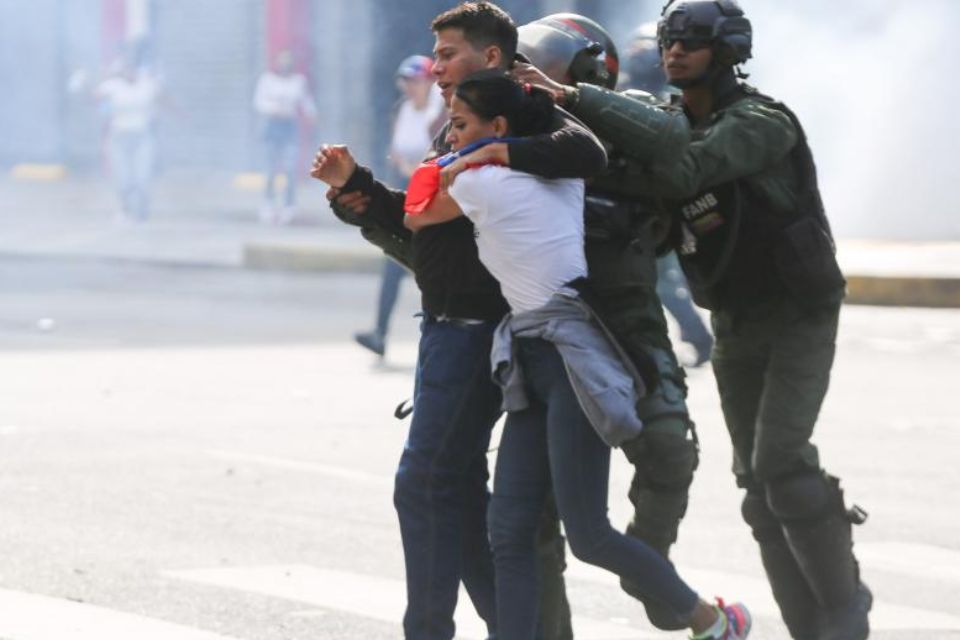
point(449, 158)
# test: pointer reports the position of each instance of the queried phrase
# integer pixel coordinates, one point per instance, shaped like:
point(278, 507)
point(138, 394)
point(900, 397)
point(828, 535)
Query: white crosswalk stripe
point(756, 593)
point(26, 616)
point(372, 597)
point(933, 563)
point(918, 561)
point(378, 481)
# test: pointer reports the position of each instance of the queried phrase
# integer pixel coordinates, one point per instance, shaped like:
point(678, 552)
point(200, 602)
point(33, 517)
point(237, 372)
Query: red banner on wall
point(288, 28)
point(113, 29)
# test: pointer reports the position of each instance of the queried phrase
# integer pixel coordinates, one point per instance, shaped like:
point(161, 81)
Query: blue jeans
point(282, 146)
point(132, 164)
point(553, 444)
point(441, 491)
point(390, 279)
point(673, 291)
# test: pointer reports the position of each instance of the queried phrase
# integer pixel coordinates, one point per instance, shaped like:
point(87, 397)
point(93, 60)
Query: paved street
point(203, 454)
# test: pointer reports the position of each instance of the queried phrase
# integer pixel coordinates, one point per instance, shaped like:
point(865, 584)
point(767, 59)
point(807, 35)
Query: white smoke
point(873, 82)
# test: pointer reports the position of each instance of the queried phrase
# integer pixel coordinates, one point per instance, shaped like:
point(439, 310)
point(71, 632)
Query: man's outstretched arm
point(569, 150)
point(360, 200)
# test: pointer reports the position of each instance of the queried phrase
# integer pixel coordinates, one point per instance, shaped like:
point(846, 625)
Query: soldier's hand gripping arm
point(635, 122)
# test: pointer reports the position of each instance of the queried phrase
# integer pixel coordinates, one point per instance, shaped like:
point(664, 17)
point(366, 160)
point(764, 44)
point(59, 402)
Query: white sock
point(716, 630)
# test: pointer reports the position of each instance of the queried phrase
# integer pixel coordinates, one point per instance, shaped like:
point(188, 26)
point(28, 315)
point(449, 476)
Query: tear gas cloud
point(872, 83)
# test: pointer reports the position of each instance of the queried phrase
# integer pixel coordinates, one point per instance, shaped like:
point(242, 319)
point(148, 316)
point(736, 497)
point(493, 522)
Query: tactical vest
point(736, 253)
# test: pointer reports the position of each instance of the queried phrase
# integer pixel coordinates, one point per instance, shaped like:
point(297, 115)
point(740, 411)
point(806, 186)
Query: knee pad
point(806, 496)
point(664, 460)
point(668, 398)
point(757, 515)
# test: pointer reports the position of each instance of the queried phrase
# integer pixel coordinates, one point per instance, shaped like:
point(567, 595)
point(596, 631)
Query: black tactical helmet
point(716, 23)
point(571, 48)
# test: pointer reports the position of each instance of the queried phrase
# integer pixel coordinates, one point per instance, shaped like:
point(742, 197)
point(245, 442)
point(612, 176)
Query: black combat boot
point(823, 547)
point(795, 599)
point(798, 606)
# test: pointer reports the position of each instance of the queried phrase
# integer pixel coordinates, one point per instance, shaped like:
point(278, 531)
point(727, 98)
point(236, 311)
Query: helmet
point(642, 61)
point(718, 23)
point(571, 48)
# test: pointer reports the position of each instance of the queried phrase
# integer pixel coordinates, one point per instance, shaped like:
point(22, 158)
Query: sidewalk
point(202, 219)
point(198, 219)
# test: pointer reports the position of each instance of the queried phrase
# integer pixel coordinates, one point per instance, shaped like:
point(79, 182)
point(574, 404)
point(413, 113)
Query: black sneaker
point(372, 341)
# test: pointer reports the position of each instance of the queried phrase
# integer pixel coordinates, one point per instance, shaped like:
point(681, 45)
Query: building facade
point(208, 55)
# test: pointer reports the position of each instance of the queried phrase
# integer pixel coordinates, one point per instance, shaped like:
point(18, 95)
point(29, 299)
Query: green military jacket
point(742, 193)
point(749, 139)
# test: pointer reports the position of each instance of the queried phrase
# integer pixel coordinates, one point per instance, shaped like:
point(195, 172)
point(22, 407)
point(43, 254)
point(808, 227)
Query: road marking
point(371, 597)
point(755, 593)
point(920, 560)
point(341, 473)
point(28, 616)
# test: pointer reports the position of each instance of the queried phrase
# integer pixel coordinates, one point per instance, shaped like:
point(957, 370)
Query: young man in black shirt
point(441, 484)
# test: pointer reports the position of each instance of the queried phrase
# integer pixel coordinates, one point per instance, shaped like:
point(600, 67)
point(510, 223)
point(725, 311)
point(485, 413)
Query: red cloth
point(424, 185)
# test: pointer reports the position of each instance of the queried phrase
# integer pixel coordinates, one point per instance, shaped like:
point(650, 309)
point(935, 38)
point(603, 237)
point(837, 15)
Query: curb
point(892, 291)
point(897, 291)
point(290, 257)
point(36, 172)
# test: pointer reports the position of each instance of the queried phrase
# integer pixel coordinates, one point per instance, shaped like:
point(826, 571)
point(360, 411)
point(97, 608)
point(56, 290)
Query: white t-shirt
point(280, 96)
point(412, 137)
point(131, 104)
point(529, 230)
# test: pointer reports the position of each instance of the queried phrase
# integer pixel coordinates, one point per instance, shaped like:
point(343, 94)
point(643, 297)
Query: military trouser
point(623, 279)
point(772, 364)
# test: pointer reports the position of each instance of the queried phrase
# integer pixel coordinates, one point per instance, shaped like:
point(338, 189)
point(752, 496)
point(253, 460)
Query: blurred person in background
point(129, 99)
point(644, 71)
point(282, 98)
point(417, 118)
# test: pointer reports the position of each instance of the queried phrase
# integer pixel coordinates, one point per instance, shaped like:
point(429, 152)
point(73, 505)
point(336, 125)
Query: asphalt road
point(204, 454)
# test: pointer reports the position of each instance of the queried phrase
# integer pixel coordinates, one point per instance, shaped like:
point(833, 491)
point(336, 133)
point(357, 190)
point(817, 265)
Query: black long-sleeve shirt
point(452, 280)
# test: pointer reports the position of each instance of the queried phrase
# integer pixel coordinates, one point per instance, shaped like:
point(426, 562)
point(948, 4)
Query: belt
point(460, 322)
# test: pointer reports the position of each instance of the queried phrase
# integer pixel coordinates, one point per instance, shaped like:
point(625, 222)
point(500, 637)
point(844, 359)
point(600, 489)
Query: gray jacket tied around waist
point(606, 383)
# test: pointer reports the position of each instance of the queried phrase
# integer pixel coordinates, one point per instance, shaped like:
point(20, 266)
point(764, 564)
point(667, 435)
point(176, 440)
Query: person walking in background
point(129, 99)
point(282, 97)
point(645, 72)
point(417, 119)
